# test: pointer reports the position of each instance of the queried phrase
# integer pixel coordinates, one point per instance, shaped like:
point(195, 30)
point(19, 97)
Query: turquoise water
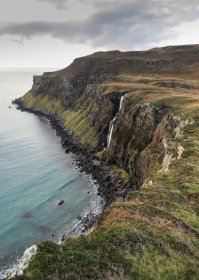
point(34, 173)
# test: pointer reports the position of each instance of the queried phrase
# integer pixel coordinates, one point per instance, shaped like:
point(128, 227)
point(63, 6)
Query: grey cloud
point(128, 25)
point(58, 3)
point(97, 3)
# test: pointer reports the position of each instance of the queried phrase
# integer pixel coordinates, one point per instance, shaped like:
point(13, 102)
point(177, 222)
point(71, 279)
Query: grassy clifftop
point(154, 233)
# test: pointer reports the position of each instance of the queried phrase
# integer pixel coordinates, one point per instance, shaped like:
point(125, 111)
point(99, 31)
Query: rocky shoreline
point(110, 184)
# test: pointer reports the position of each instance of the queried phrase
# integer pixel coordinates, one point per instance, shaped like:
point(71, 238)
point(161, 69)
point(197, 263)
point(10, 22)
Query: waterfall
point(111, 130)
point(113, 122)
point(121, 102)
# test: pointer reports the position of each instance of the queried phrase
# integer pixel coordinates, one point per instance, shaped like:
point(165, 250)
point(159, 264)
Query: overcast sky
point(51, 33)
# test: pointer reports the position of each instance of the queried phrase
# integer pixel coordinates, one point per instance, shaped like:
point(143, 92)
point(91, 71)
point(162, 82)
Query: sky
point(51, 33)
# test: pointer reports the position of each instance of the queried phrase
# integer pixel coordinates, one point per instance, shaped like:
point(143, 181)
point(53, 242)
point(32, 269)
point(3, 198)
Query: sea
point(34, 174)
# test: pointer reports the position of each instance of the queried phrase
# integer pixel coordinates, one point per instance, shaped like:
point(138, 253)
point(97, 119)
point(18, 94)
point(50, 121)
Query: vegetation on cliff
point(76, 121)
point(154, 233)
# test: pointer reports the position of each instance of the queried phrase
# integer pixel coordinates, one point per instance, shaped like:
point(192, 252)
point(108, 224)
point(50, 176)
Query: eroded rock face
point(139, 139)
point(100, 109)
point(141, 131)
point(160, 63)
point(131, 135)
point(41, 80)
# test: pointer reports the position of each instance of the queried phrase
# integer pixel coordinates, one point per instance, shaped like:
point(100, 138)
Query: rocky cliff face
point(115, 111)
point(138, 138)
point(134, 114)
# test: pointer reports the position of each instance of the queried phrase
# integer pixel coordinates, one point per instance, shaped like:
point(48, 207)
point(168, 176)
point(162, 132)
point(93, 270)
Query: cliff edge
point(136, 116)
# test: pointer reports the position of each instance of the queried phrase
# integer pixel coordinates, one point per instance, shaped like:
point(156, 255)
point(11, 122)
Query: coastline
point(108, 179)
point(105, 179)
point(84, 222)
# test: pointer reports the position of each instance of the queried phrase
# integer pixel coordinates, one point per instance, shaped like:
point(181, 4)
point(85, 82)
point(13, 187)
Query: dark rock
point(63, 238)
point(59, 202)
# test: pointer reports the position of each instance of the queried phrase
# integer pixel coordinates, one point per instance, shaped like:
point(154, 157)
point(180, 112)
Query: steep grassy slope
point(74, 120)
point(154, 233)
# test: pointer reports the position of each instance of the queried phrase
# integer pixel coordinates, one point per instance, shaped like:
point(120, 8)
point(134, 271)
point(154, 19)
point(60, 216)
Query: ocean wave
point(66, 184)
point(21, 265)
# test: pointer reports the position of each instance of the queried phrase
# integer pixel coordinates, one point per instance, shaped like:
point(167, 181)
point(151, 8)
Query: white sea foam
point(21, 265)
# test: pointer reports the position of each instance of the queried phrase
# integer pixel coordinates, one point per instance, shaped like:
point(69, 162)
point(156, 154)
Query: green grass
point(76, 121)
point(123, 248)
point(79, 125)
point(103, 155)
point(125, 175)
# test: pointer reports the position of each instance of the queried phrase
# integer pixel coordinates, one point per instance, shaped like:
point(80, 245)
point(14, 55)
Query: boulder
point(59, 202)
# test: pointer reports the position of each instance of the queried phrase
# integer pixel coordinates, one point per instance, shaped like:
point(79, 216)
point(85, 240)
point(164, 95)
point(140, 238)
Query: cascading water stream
point(121, 102)
point(113, 122)
point(111, 130)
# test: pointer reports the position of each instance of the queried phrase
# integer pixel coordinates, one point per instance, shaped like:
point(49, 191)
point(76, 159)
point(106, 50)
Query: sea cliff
point(132, 120)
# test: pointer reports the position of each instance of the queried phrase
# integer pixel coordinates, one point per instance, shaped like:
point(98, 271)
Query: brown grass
point(117, 216)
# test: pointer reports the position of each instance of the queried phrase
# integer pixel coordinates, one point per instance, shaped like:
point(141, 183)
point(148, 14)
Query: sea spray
point(21, 265)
